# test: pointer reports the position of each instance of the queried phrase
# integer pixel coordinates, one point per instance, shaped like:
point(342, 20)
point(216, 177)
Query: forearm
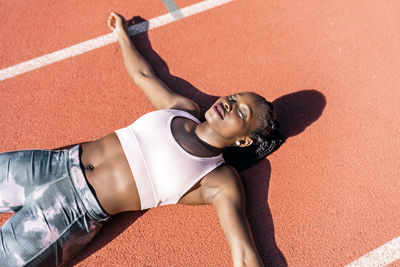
point(135, 64)
point(244, 252)
point(238, 233)
point(140, 71)
point(252, 258)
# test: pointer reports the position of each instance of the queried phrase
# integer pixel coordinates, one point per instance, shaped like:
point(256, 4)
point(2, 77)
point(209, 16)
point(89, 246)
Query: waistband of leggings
point(82, 187)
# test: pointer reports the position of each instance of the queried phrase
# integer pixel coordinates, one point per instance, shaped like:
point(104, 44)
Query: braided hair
point(266, 139)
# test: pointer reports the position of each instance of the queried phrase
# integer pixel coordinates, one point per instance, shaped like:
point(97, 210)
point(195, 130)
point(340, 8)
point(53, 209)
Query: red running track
point(328, 196)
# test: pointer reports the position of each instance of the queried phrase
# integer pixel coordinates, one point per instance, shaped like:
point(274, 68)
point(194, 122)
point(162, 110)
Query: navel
point(89, 167)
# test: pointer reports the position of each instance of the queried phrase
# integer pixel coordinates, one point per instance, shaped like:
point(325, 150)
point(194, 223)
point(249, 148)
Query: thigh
point(22, 172)
point(50, 228)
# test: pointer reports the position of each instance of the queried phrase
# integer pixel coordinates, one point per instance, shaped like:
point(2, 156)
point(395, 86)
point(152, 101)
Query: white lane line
point(106, 39)
point(382, 256)
point(171, 6)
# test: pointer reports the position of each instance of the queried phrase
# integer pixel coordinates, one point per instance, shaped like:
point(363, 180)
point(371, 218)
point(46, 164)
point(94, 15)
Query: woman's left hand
point(117, 23)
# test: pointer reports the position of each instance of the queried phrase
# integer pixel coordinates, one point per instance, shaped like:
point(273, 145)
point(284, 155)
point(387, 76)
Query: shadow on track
point(294, 112)
point(113, 228)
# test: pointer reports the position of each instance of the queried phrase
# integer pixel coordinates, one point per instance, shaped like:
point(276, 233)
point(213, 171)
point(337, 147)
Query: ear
point(244, 141)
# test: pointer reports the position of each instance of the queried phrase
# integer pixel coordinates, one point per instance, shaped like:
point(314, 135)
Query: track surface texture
point(327, 197)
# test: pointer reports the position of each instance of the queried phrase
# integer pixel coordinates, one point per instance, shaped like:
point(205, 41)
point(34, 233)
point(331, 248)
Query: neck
point(208, 139)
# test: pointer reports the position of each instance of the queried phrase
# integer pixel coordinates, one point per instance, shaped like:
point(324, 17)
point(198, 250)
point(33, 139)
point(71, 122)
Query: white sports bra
point(162, 169)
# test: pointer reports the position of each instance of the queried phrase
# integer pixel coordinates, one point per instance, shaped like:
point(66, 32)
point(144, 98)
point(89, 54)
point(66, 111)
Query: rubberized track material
point(328, 197)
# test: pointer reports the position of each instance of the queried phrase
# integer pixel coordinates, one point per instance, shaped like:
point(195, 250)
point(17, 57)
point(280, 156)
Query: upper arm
point(229, 203)
point(161, 97)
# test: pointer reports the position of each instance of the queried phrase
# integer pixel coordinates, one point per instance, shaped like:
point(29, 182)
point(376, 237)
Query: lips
point(219, 110)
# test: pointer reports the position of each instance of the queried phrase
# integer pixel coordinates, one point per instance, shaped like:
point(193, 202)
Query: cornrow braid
point(265, 117)
point(244, 157)
point(266, 139)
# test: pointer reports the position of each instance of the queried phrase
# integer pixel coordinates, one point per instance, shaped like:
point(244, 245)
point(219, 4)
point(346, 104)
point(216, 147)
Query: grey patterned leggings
point(56, 214)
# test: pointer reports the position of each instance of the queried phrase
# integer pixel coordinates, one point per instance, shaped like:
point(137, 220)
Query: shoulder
point(188, 106)
point(223, 182)
point(223, 173)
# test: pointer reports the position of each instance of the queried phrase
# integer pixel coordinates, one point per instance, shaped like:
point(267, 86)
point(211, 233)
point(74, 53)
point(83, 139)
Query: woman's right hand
point(117, 24)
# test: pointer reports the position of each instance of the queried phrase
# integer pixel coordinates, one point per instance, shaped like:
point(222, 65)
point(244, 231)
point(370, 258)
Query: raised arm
point(140, 71)
point(229, 201)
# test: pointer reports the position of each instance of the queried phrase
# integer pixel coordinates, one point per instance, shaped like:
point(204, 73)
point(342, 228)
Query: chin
point(207, 115)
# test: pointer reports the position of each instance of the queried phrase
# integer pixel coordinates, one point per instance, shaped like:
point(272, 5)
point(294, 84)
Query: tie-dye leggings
point(56, 213)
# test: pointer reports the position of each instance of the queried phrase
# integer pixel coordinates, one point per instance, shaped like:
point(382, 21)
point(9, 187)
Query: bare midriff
point(108, 172)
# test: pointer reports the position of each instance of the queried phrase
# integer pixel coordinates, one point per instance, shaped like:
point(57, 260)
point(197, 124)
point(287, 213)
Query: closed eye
point(242, 113)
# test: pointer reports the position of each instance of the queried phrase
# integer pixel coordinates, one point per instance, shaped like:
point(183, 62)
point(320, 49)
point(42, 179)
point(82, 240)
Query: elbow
point(249, 258)
point(136, 78)
point(252, 261)
point(139, 75)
